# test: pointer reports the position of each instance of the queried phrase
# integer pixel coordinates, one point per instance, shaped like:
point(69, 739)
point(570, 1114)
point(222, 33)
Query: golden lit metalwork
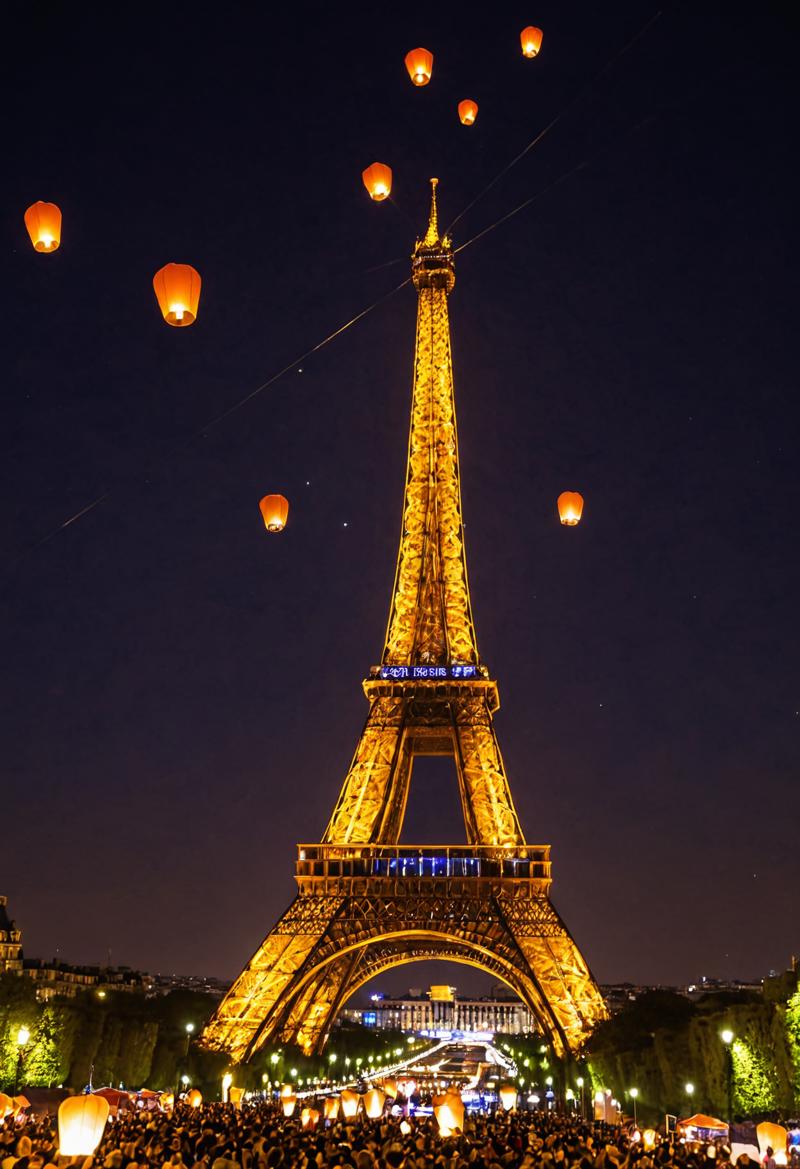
point(365, 903)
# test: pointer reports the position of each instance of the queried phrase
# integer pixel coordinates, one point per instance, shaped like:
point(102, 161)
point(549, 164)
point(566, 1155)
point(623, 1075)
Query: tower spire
point(432, 234)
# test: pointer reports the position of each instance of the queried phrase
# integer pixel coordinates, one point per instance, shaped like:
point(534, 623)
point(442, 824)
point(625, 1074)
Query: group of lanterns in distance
point(177, 286)
point(419, 63)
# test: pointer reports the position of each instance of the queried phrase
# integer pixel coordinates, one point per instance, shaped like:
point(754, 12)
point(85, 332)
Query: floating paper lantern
point(275, 511)
point(419, 63)
point(389, 1086)
point(6, 1106)
point(467, 112)
point(309, 1118)
point(236, 1095)
point(508, 1097)
point(570, 508)
point(373, 1103)
point(331, 1107)
point(349, 1103)
point(194, 1098)
point(531, 41)
point(43, 221)
point(81, 1121)
point(177, 289)
point(378, 181)
point(449, 1112)
point(288, 1104)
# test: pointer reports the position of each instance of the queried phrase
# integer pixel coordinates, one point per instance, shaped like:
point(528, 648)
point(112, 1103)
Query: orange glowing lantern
point(288, 1105)
point(309, 1118)
point(167, 1101)
point(449, 1112)
point(570, 508)
point(275, 510)
point(508, 1097)
point(349, 1103)
point(331, 1107)
point(6, 1106)
point(531, 41)
point(194, 1098)
point(81, 1121)
point(378, 181)
point(177, 288)
point(389, 1086)
point(43, 221)
point(419, 63)
point(373, 1103)
point(467, 112)
point(235, 1096)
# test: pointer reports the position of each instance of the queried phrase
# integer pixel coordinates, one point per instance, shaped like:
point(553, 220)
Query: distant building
point(440, 1008)
point(10, 942)
point(164, 983)
point(60, 978)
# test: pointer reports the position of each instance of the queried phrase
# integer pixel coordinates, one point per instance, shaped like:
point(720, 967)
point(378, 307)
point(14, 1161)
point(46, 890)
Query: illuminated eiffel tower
point(364, 902)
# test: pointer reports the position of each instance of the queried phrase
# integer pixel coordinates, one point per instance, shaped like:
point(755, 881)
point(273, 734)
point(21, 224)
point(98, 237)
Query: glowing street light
point(633, 1093)
point(727, 1038)
point(688, 1088)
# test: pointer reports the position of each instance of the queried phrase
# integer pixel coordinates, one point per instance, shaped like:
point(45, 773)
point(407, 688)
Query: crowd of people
point(258, 1136)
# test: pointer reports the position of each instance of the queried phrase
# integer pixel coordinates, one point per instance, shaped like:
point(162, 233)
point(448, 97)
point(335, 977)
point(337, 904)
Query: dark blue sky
point(181, 692)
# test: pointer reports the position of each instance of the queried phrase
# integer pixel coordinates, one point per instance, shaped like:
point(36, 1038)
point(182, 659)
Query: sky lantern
point(467, 111)
point(288, 1104)
point(508, 1097)
point(6, 1106)
point(275, 510)
point(194, 1098)
point(419, 63)
point(331, 1107)
point(378, 181)
point(81, 1121)
point(43, 221)
point(309, 1118)
point(373, 1103)
point(389, 1086)
point(349, 1103)
point(570, 508)
point(177, 288)
point(531, 41)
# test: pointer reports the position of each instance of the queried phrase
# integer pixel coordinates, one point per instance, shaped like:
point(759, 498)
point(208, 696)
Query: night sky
point(182, 691)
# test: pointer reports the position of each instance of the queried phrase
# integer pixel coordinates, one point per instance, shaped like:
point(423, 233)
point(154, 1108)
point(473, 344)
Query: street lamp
point(727, 1038)
point(23, 1035)
point(689, 1088)
point(633, 1093)
point(580, 1085)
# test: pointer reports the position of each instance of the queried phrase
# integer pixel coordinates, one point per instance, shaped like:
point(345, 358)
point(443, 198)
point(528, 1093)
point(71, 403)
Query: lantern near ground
point(407, 1087)
point(194, 1098)
point(389, 1086)
point(467, 112)
point(449, 1112)
point(531, 41)
point(177, 289)
point(649, 1137)
point(773, 1136)
point(43, 221)
point(405, 1127)
point(378, 181)
point(349, 1103)
point(167, 1101)
point(331, 1107)
point(570, 508)
point(419, 63)
point(275, 512)
point(236, 1095)
point(508, 1097)
point(309, 1118)
point(6, 1106)
point(81, 1121)
point(288, 1104)
point(374, 1100)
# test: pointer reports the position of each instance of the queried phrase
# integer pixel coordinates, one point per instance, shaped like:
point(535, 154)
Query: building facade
point(441, 1008)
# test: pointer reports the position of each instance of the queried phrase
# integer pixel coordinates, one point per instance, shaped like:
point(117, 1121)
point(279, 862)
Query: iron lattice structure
point(365, 903)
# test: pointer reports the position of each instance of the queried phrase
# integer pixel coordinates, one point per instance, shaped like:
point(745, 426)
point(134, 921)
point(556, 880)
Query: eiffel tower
point(365, 903)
